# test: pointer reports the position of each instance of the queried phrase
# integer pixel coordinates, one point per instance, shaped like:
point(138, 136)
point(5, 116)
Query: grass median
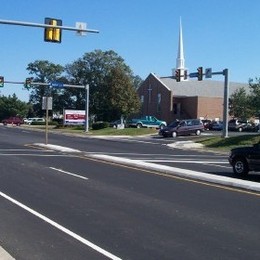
point(110, 131)
point(225, 144)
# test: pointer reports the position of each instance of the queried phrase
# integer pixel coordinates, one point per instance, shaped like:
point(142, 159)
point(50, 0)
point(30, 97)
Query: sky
point(217, 34)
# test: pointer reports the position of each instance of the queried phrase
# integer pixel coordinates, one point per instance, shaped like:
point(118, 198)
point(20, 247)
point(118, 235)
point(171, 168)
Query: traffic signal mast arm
point(47, 26)
point(195, 74)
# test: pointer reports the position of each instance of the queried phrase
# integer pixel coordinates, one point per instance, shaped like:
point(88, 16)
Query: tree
point(137, 81)
point(119, 98)
point(239, 104)
point(95, 68)
point(45, 72)
point(12, 106)
point(255, 96)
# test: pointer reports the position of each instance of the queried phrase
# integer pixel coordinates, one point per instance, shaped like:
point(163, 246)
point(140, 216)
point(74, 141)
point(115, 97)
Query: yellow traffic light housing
point(52, 34)
point(2, 81)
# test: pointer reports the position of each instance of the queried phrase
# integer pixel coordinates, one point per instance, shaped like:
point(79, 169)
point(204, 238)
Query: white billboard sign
point(74, 117)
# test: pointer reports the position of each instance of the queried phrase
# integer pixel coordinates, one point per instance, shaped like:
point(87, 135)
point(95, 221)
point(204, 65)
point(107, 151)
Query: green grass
point(126, 131)
point(109, 131)
point(230, 142)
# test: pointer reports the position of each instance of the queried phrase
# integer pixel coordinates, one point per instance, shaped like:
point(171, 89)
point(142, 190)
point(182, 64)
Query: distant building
point(168, 100)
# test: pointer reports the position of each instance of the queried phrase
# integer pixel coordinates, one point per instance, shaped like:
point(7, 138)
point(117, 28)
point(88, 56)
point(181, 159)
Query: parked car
point(237, 125)
point(117, 123)
point(33, 120)
point(245, 159)
point(14, 120)
point(216, 126)
point(206, 123)
point(146, 121)
point(183, 127)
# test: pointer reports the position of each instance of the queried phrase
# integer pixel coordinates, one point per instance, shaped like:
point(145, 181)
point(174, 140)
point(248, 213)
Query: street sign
point(208, 73)
point(193, 75)
point(56, 84)
point(46, 103)
point(81, 26)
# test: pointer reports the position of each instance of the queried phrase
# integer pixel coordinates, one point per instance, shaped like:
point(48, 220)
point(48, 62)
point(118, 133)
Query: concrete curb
point(4, 255)
point(189, 174)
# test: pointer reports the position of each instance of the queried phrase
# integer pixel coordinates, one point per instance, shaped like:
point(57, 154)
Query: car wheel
point(174, 134)
point(114, 126)
point(240, 166)
point(240, 129)
point(138, 126)
point(161, 126)
point(198, 132)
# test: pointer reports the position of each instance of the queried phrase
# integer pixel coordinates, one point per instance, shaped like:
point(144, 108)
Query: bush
point(100, 125)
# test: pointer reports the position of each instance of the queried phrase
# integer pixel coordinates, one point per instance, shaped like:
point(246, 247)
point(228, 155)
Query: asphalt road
point(65, 205)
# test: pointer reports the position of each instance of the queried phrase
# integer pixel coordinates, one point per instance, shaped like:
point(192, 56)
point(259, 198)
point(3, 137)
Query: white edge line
point(69, 173)
point(61, 228)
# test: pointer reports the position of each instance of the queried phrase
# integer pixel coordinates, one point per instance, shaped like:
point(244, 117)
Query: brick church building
point(167, 99)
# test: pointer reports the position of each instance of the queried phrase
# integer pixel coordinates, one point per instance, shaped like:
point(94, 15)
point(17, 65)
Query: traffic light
point(200, 73)
point(27, 83)
point(2, 80)
point(178, 75)
point(52, 34)
point(185, 74)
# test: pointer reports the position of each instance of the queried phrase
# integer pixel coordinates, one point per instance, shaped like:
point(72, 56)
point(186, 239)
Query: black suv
point(245, 159)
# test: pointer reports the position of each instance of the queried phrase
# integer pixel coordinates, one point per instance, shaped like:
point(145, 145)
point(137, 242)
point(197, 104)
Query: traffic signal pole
point(208, 74)
point(225, 101)
point(225, 110)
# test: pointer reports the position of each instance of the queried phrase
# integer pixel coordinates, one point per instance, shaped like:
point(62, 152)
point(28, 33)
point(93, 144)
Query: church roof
point(204, 88)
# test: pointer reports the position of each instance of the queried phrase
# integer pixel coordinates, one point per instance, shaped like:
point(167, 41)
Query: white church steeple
point(180, 61)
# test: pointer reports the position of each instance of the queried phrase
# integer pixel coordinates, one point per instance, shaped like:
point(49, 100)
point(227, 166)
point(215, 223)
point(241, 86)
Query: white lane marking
point(61, 228)
point(163, 156)
point(36, 155)
point(69, 173)
point(182, 161)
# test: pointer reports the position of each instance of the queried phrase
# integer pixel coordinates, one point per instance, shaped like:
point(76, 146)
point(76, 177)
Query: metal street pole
point(225, 110)
point(87, 108)
point(47, 118)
